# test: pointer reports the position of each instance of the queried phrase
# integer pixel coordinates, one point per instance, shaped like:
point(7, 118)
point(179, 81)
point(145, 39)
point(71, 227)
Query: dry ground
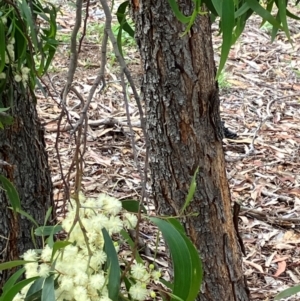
point(260, 93)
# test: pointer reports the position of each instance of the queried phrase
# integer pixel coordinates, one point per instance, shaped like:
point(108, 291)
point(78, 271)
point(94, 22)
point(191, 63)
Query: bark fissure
point(22, 146)
point(183, 121)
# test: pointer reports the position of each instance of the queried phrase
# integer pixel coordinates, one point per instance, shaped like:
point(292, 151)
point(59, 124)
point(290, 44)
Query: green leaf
point(218, 6)
point(48, 213)
point(291, 15)
point(176, 224)
point(288, 292)
point(242, 10)
point(119, 41)
point(59, 245)
point(4, 109)
point(48, 290)
point(255, 6)
point(21, 42)
point(127, 284)
point(35, 290)
point(11, 293)
point(191, 192)
point(178, 14)
point(211, 7)
point(12, 264)
point(12, 280)
point(195, 13)
point(25, 10)
point(11, 193)
point(128, 239)
point(227, 26)
point(282, 13)
point(112, 267)
point(275, 29)
point(133, 206)
point(2, 48)
point(197, 269)
point(28, 216)
point(47, 230)
point(122, 18)
point(187, 279)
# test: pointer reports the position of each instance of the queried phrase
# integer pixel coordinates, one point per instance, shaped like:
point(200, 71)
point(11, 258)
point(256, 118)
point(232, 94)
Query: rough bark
point(183, 128)
point(22, 146)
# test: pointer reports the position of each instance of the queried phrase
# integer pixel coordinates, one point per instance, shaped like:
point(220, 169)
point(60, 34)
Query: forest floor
point(260, 100)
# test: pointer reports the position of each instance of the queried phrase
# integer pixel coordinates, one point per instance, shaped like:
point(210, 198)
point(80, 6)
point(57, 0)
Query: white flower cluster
point(10, 58)
point(143, 277)
point(10, 52)
point(80, 277)
point(23, 77)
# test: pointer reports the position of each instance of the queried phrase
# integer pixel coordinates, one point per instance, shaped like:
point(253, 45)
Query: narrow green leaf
point(48, 213)
point(211, 8)
point(35, 290)
point(47, 230)
point(128, 239)
point(119, 40)
point(218, 6)
point(25, 10)
point(127, 284)
point(255, 6)
point(12, 264)
point(181, 259)
point(242, 10)
point(4, 109)
point(227, 26)
point(133, 206)
point(28, 216)
point(291, 15)
point(197, 269)
point(121, 15)
point(288, 292)
point(21, 42)
point(282, 12)
point(50, 55)
point(11, 193)
point(11, 293)
point(178, 14)
point(12, 280)
point(59, 245)
point(48, 290)
point(275, 29)
point(191, 191)
point(112, 266)
point(2, 48)
point(176, 224)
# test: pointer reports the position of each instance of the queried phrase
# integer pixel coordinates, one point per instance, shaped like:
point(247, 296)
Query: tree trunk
point(183, 128)
point(22, 146)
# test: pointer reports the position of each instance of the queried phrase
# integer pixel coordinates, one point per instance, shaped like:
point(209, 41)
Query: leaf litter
point(260, 100)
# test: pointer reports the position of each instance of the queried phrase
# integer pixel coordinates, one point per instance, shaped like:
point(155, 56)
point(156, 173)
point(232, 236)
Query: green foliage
point(187, 266)
point(191, 192)
point(132, 284)
point(222, 80)
point(288, 292)
point(233, 15)
point(27, 37)
point(11, 193)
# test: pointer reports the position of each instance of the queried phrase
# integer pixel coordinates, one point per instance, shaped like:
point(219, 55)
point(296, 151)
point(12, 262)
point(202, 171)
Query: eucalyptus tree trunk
point(22, 146)
point(184, 132)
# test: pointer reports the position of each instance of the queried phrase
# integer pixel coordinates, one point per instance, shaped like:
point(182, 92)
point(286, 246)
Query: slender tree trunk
point(22, 146)
point(183, 128)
